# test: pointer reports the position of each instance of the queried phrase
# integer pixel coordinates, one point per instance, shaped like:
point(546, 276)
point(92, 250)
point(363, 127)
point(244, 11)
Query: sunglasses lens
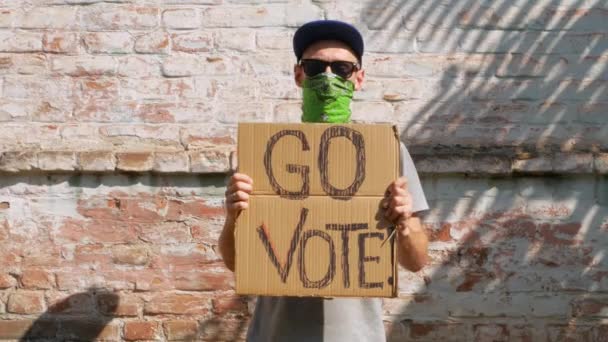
point(313, 67)
point(342, 69)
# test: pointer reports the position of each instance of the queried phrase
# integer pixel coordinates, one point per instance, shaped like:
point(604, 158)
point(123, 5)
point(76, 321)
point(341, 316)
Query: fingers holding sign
point(398, 203)
point(237, 193)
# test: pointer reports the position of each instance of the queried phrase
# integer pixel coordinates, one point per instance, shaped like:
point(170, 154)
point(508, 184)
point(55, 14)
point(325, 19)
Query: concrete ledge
point(224, 161)
point(198, 161)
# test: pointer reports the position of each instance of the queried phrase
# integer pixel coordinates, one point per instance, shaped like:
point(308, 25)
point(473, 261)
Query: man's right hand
point(238, 190)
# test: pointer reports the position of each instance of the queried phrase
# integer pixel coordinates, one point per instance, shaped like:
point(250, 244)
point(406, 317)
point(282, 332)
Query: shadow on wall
point(522, 74)
point(514, 258)
point(80, 317)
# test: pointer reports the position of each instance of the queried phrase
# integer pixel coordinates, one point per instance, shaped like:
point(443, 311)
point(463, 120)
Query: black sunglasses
point(313, 67)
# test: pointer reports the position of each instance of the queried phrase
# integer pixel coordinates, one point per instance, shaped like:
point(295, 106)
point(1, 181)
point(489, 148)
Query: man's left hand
point(398, 204)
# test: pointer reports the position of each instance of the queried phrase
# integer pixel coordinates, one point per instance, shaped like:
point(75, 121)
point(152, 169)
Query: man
point(329, 68)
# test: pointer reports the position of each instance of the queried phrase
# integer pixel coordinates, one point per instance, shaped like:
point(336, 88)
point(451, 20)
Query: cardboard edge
point(394, 247)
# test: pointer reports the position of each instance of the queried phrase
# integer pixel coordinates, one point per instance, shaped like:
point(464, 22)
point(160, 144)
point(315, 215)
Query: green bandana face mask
point(326, 98)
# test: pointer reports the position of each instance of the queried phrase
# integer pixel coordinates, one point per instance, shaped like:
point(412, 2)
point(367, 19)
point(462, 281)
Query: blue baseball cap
point(317, 30)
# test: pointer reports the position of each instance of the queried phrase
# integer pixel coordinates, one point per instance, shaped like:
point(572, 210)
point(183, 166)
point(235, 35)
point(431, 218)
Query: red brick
point(563, 234)
point(155, 42)
point(53, 17)
point(112, 304)
point(13, 329)
point(24, 329)
point(42, 254)
point(470, 280)
point(27, 64)
point(98, 110)
point(20, 41)
point(99, 207)
point(37, 279)
point(119, 17)
point(138, 67)
point(186, 18)
point(60, 42)
point(143, 208)
point(156, 112)
point(26, 302)
point(183, 209)
point(133, 161)
point(192, 42)
point(130, 254)
point(591, 307)
point(185, 304)
point(108, 42)
point(181, 330)
point(230, 304)
point(568, 333)
point(96, 231)
point(202, 138)
point(522, 333)
point(210, 161)
point(153, 281)
point(78, 66)
point(491, 332)
point(440, 234)
point(96, 161)
point(208, 229)
point(18, 161)
point(219, 279)
point(439, 331)
point(171, 162)
point(82, 279)
point(78, 303)
point(57, 161)
point(185, 258)
point(10, 257)
point(166, 233)
point(92, 254)
point(218, 329)
point(94, 89)
point(7, 281)
point(88, 330)
point(142, 330)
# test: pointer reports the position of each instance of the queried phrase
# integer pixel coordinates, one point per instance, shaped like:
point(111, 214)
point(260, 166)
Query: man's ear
point(298, 75)
point(359, 78)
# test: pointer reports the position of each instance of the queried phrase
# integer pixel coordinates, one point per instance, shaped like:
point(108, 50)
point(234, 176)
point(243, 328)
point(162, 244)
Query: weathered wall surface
point(117, 127)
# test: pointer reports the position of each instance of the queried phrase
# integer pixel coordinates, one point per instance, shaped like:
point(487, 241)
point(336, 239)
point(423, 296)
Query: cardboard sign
point(314, 226)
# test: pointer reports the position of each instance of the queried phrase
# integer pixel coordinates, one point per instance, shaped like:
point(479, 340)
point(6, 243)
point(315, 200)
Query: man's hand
point(237, 199)
point(398, 204)
point(412, 251)
point(237, 194)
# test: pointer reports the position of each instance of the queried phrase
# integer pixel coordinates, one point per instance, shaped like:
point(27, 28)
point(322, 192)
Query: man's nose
point(328, 68)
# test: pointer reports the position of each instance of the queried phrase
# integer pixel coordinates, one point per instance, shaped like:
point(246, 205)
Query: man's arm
point(237, 199)
point(412, 250)
point(412, 242)
point(226, 243)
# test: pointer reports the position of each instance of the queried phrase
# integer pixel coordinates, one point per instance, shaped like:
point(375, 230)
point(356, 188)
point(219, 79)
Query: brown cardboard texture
point(314, 226)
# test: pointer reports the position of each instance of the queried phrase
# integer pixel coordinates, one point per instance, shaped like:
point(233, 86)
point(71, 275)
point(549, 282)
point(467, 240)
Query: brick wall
point(117, 129)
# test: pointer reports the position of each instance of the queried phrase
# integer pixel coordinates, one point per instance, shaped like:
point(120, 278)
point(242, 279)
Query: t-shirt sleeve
point(408, 170)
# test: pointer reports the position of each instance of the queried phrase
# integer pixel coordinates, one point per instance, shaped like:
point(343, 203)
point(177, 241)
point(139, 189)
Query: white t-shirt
point(308, 319)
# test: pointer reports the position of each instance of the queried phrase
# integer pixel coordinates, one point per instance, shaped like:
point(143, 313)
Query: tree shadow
point(514, 257)
point(79, 317)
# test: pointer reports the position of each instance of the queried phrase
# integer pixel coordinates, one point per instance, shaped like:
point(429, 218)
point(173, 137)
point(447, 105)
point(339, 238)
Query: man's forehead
point(330, 48)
